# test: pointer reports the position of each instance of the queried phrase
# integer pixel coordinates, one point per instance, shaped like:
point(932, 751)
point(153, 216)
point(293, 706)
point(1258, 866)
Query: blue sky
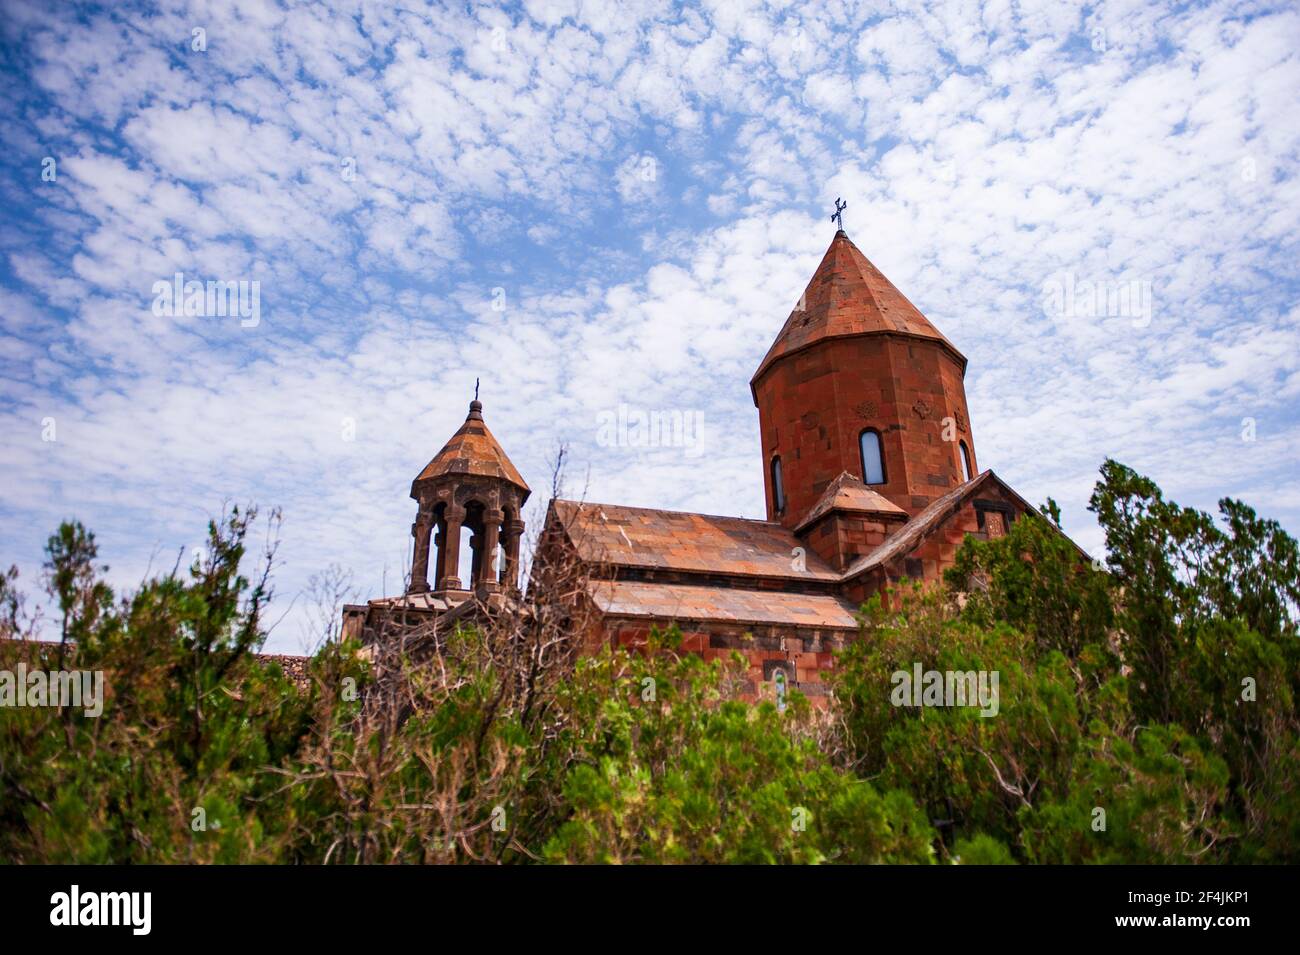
point(589, 205)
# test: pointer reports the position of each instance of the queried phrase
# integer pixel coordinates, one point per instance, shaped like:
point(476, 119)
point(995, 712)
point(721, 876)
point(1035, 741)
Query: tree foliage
point(1146, 713)
point(1148, 708)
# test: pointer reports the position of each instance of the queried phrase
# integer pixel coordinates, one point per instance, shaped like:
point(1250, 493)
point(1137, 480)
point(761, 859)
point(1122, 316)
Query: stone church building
point(871, 474)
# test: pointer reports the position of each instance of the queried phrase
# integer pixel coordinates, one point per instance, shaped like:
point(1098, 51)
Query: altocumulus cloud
point(591, 205)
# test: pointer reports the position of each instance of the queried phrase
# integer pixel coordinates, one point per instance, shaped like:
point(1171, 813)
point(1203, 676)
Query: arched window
point(503, 550)
point(873, 457)
point(778, 683)
point(778, 488)
point(965, 461)
point(440, 543)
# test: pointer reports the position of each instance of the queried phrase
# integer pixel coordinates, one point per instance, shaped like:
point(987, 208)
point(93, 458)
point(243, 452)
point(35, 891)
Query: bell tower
point(859, 383)
point(470, 487)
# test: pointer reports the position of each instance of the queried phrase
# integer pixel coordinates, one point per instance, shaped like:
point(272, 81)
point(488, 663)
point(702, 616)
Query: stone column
point(488, 555)
point(421, 529)
point(451, 550)
point(514, 531)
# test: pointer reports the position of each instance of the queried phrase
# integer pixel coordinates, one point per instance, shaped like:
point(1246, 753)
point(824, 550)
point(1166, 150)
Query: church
point(871, 474)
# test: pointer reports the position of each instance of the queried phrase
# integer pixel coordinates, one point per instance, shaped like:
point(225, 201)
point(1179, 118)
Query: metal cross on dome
point(839, 212)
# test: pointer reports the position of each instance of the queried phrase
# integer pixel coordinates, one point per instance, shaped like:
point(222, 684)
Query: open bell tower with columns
point(470, 490)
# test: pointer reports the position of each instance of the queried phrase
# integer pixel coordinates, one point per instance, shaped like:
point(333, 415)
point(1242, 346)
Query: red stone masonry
point(783, 621)
point(855, 355)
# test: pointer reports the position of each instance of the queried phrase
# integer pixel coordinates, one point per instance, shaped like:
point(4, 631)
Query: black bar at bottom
point(338, 904)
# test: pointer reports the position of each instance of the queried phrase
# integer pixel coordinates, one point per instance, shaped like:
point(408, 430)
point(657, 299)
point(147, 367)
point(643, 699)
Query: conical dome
point(849, 296)
point(473, 450)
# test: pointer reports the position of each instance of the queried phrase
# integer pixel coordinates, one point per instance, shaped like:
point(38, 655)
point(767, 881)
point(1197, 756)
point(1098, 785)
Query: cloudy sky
point(589, 205)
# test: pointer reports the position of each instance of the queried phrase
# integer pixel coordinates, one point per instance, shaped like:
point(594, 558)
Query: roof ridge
point(857, 262)
point(668, 510)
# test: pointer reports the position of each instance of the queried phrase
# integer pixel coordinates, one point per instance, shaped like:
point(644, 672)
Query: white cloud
point(983, 149)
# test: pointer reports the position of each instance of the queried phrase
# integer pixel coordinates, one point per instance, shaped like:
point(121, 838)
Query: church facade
point(870, 471)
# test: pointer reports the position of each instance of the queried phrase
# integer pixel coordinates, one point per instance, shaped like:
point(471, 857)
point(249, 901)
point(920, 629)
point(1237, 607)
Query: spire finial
point(839, 213)
point(475, 406)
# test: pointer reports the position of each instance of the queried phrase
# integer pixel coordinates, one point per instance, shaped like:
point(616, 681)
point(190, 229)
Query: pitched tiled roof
point(735, 605)
point(847, 493)
point(473, 450)
point(915, 531)
point(918, 528)
point(848, 296)
point(706, 545)
point(679, 540)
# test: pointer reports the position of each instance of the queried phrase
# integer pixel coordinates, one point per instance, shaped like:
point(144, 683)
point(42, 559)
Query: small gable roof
point(847, 493)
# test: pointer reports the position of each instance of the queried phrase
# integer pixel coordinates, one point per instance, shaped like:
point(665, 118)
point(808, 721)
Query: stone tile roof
point(679, 540)
point(849, 296)
point(730, 604)
point(847, 493)
point(426, 600)
point(473, 450)
point(913, 533)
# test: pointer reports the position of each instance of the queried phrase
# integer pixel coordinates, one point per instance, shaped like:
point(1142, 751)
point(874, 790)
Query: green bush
point(1146, 713)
